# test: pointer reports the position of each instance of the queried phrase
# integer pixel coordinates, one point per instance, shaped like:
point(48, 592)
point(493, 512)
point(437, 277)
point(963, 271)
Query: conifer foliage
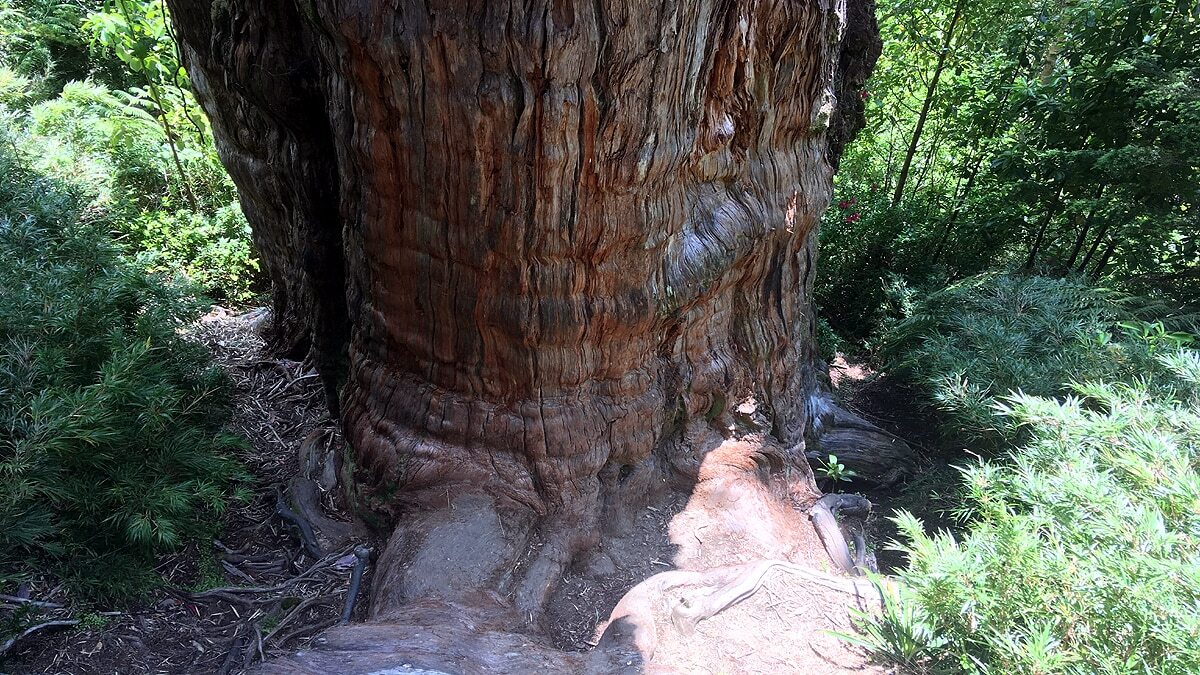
point(111, 446)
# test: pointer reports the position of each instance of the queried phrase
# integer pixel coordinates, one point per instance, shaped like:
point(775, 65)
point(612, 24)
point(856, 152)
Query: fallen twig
point(27, 601)
point(296, 611)
point(304, 630)
point(33, 629)
point(316, 567)
point(691, 610)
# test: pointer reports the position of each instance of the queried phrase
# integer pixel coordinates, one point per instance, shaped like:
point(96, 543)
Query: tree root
point(364, 555)
point(17, 600)
point(690, 610)
point(307, 536)
point(826, 515)
point(8, 644)
point(685, 598)
point(226, 590)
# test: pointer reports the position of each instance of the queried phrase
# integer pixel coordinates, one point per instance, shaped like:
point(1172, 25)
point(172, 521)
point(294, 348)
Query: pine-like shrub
point(1080, 547)
point(979, 339)
point(111, 441)
point(1083, 553)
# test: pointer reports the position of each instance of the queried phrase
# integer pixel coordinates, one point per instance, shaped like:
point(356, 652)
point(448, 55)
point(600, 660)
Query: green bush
point(111, 441)
point(974, 341)
point(1080, 551)
point(112, 149)
point(1083, 555)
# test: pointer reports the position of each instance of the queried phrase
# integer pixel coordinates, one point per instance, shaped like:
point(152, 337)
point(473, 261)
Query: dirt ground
point(787, 626)
point(929, 490)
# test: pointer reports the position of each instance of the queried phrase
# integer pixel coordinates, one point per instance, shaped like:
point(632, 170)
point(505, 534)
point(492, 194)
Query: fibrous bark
point(541, 253)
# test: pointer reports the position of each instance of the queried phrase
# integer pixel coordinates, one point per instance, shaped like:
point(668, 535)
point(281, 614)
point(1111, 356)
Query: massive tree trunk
point(546, 256)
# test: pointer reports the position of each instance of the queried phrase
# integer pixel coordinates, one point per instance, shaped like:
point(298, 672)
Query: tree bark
point(544, 255)
point(1052, 210)
point(1104, 258)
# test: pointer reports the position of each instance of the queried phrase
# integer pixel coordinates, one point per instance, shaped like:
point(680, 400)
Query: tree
point(541, 255)
point(1060, 138)
point(930, 91)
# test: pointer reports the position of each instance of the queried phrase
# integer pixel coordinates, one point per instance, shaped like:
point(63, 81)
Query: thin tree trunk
point(955, 212)
point(1095, 245)
point(184, 184)
point(1087, 225)
point(930, 92)
point(927, 165)
point(1103, 263)
point(1052, 210)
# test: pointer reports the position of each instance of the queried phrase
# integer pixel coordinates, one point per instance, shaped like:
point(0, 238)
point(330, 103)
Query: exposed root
point(307, 536)
point(826, 517)
point(320, 565)
point(690, 610)
point(691, 597)
point(364, 555)
point(7, 644)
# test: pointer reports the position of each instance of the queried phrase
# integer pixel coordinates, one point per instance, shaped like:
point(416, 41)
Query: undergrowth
point(94, 95)
point(1081, 546)
point(111, 441)
point(973, 341)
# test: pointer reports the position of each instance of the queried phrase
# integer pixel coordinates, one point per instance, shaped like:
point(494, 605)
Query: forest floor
point(203, 620)
point(253, 592)
point(892, 405)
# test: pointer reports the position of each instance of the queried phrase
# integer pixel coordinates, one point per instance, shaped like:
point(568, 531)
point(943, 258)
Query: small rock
point(599, 564)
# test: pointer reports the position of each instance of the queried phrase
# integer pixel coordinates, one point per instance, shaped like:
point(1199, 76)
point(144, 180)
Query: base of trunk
point(474, 585)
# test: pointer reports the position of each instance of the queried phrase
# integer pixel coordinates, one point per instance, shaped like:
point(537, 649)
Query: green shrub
point(111, 442)
point(212, 251)
point(869, 246)
point(114, 154)
point(1083, 555)
point(1081, 548)
point(974, 341)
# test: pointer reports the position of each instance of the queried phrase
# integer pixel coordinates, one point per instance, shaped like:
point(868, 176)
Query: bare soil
point(589, 592)
point(787, 626)
point(929, 492)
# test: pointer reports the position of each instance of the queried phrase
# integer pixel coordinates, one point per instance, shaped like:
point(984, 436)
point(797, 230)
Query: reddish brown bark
point(541, 251)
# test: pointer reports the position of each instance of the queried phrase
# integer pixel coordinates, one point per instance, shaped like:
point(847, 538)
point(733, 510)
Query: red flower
point(845, 204)
point(854, 218)
point(864, 95)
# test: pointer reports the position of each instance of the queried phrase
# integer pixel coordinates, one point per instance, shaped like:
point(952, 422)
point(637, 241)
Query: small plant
point(899, 633)
point(91, 621)
point(833, 471)
point(208, 572)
